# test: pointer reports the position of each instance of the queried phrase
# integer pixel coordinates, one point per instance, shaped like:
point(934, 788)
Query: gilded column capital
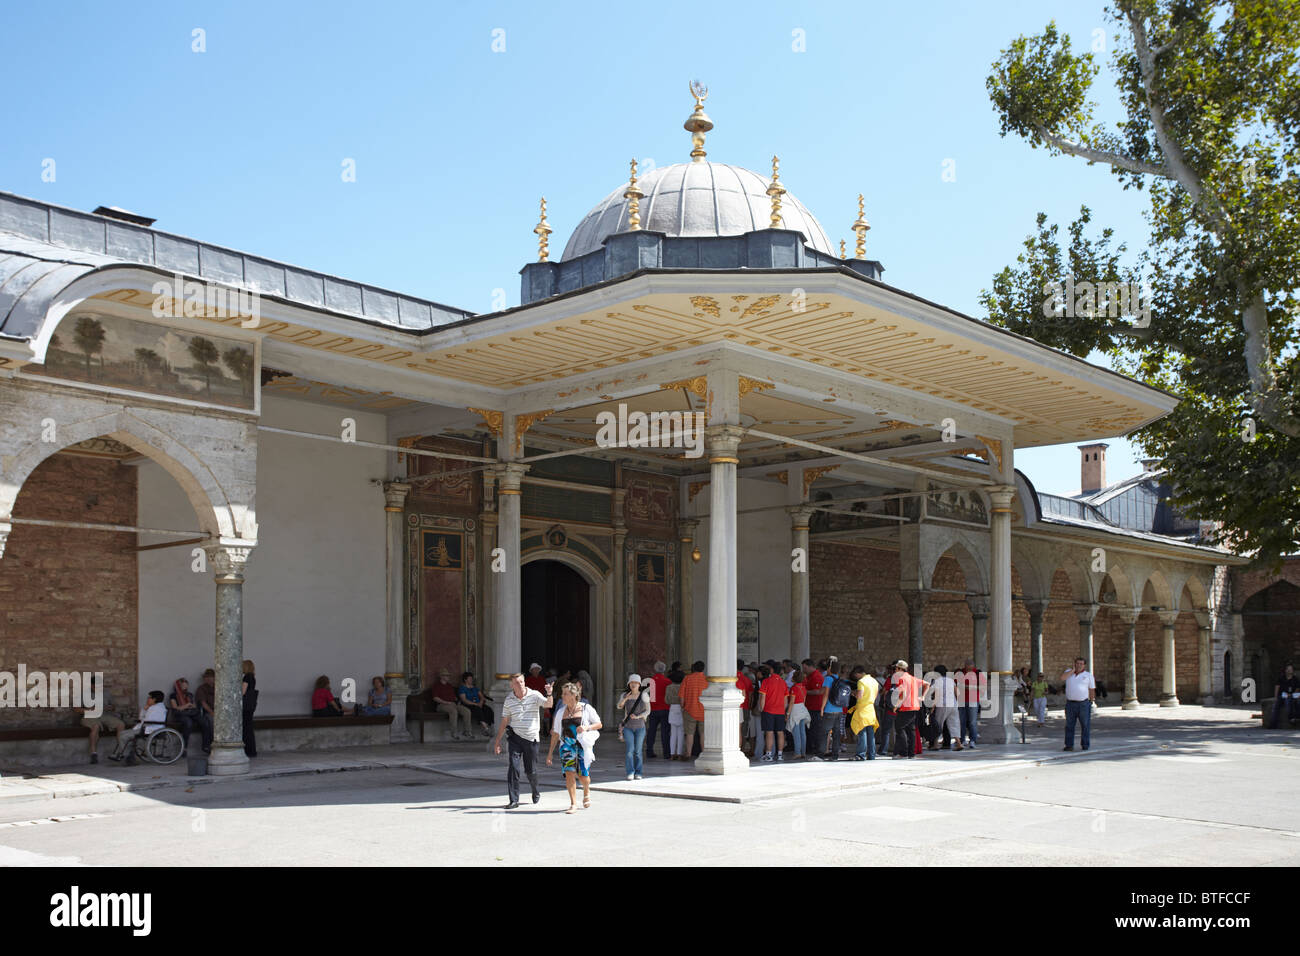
point(1002, 496)
point(724, 443)
point(509, 475)
point(395, 493)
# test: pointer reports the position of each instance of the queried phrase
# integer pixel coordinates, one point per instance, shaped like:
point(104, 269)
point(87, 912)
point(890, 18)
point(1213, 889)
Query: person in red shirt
point(799, 719)
point(905, 692)
point(535, 680)
point(774, 702)
point(813, 680)
point(745, 686)
point(659, 684)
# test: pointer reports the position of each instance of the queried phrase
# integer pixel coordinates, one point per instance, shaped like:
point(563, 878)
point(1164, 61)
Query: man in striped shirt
point(521, 719)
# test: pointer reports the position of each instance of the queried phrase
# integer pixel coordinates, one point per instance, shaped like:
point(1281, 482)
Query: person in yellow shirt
point(864, 722)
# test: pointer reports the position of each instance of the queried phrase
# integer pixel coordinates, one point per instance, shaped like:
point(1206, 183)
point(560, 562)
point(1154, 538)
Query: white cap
point(634, 678)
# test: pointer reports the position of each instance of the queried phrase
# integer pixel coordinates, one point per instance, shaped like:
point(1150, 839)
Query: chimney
point(115, 212)
point(1092, 467)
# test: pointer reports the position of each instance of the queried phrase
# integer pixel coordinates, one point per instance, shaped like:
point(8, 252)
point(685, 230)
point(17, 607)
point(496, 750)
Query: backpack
point(841, 693)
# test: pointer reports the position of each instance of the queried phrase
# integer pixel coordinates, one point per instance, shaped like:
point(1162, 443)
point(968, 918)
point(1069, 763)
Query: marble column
point(979, 614)
point(1205, 659)
point(622, 660)
point(1168, 674)
point(1129, 616)
point(685, 650)
point(916, 601)
point(1086, 613)
point(227, 758)
point(395, 493)
point(800, 609)
point(507, 647)
point(721, 700)
point(1036, 608)
point(1001, 728)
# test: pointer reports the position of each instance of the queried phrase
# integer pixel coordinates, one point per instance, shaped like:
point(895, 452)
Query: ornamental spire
point(860, 227)
point(776, 191)
point(635, 195)
point(698, 123)
point(543, 235)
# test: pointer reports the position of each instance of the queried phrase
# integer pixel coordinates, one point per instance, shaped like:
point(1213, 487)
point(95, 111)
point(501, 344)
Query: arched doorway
point(556, 616)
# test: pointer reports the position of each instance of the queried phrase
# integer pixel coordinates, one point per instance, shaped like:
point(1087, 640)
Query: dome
point(694, 200)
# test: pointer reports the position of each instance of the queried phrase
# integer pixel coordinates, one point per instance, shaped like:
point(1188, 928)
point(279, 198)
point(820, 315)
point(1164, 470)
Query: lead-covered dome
point(695, 200)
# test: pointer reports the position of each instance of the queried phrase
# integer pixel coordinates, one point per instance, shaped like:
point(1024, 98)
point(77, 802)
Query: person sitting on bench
point(323, 701)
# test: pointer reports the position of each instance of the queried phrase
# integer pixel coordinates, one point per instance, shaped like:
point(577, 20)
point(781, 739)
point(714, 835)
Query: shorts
point(107, 722)
point(689, 724)
point(773, 723)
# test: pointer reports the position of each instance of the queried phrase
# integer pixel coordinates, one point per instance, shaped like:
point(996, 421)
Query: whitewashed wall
point(763, 575)
point(314, 593)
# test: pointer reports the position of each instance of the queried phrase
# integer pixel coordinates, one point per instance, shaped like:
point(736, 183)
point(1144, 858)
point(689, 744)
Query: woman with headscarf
point(185, 711)
point(575, 729)
point(864, 722)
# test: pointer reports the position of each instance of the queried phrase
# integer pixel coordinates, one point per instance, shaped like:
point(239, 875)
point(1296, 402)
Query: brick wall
point(854, 591)
point(68, 597)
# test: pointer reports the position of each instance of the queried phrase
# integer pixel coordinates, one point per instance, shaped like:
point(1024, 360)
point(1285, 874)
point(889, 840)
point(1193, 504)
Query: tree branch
point(1266, 397)
point(1093, 155)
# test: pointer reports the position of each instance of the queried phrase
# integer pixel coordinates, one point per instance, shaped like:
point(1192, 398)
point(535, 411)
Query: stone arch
point(1084, 583)
point(1125, 583)
point(1196, 594)
point(600, 616)
point(1157, 590)
point(217, 516)
point(964, 549)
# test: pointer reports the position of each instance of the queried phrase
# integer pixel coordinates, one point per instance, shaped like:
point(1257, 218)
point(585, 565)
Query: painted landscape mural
point(124, 353)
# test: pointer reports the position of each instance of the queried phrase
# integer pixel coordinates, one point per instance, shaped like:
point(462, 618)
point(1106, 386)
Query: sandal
point(573, 808)
point(586, 803)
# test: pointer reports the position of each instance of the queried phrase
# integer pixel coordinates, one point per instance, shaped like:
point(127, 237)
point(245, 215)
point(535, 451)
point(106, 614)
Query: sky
point(456, 118)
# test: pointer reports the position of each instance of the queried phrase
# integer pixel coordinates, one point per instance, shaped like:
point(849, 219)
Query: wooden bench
point(61, 746)
point(421, 709)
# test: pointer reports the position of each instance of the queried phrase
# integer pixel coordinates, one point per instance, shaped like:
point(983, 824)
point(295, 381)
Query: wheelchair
point(162, 746)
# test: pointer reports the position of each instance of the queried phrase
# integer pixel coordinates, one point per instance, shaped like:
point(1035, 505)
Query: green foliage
point(1211, 94)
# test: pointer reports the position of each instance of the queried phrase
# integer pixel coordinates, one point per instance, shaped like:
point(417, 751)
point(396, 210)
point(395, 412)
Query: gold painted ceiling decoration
point(494, 420)
point(838, 333)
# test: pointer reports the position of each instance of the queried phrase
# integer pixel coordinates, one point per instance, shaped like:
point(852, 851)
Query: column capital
point(395, 493)
point(1086, 612)
point(1202, 619)
point(979, 605)
point(724, 443)
point(1036, 606)
point(686, 529)
point(914, 599)
point(509, 475)
point(1169, 618)
point(228, 558)
point(1128, 615)
point(800, 515)
point(1002, 496)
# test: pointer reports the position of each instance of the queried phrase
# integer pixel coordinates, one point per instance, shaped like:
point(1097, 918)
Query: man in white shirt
point(1080, 693)
point(153, 717)
point(521, 718)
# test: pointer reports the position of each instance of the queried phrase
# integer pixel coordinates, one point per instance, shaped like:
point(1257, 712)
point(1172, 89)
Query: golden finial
point(843, 254)
point(633, 193)
point(698, 123)
point(543, 235)
point(860, 228)
point(776, 191)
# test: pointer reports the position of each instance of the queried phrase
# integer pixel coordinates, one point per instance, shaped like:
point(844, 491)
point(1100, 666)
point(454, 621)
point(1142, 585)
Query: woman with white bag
point(576, 730)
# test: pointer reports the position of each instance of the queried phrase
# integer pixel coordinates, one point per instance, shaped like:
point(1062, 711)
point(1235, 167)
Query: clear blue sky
point(243, 145)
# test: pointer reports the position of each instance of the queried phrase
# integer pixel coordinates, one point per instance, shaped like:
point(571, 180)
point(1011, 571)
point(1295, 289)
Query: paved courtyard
point(1162, 787)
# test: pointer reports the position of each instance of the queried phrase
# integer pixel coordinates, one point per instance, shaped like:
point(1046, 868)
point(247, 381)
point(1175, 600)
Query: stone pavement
point(1117, 734)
